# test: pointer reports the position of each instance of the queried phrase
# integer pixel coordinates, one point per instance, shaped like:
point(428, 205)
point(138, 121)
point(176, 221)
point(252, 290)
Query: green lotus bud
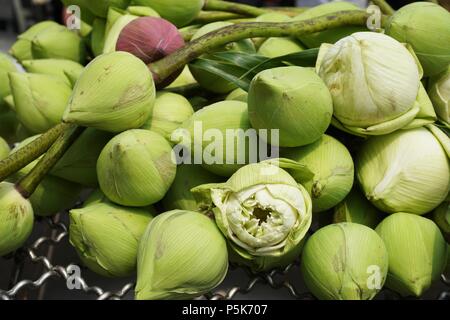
point(106, 237)
point(79, 163)
point(357, 209)
point(306, 105)
point(426, 114)
point(417, 252)
point(426, 27)
point(352, 69)
point(136, 168)
point(56, 67)
point(4, 149)
point(179, 12)
point(209, 80)
point(21, 49)
point(262, 211)
point(440, 95)
point(113, 34)
point(344, 261)
point(6, 65)
point(238, 95)
point(58, 43)
point(184, 79)
point(333, 170)
point(277, 47)
point(395, 177)
point(442, 218)
point(188, 176)
point(115, 93)
point(181, 255)
point(142, 11)
point(16, 216)
point(39, 99)
point(100, 7)
point(169, 113)
point(98, 36)
point(231, 116)
point(314, 40)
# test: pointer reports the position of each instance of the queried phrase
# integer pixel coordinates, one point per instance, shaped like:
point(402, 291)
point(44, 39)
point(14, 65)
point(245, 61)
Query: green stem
point(238, 8)
point(384, 6)
point(163, 68)
point(28, 184)
point(31, 152)
point(206, 17)
point(188, 32)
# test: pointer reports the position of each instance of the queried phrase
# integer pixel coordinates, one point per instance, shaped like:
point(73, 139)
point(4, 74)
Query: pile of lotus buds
point(343, 165)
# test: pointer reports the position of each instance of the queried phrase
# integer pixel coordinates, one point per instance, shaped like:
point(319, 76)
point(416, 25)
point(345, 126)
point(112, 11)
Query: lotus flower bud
point(440, 95)
point(16, 218)
point(314, 40)
point(97, 196)
point(58, 43)
point(238, 95)
point(306, 103)
point(397, 178)
point(136, 168)
point(6, 65)
point(79, 162)
point(220, 117)
point(188, 177)
point(352, 69)
point(112, 35)
point(344, 261)
point(412, 240)
point(39, 99)
point(209, 80)
point(98, 36)
point(181, 255)
point(357, 209)
point(184, 79)
point(115, 93)
point(262, 211)
point(4, 149)
point(277, 47)
point(333, 170)
point(179, 12)
point(21, 49)
point(149, 38)
point(169, 113)
point(106, 237)
point(426, 27)
point(56, 67)
point(442, 218)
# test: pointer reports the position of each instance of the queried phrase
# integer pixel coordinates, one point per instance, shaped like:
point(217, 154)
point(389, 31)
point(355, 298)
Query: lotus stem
point(238, 8)
point(27, 185)
point(24, 156)
point(384, 6)
point(163, 68)
point(212, 16)
point(290, 11)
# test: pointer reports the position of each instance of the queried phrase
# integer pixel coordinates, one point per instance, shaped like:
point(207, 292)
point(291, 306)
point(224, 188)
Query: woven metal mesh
point(31, 257)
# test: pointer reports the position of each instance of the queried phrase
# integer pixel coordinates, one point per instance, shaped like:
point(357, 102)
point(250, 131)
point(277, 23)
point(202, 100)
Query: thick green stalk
point(384, 6)
point(212, 16)
point(163, 68)
point(34, 150)
point(28, 184)
point(246, 10)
